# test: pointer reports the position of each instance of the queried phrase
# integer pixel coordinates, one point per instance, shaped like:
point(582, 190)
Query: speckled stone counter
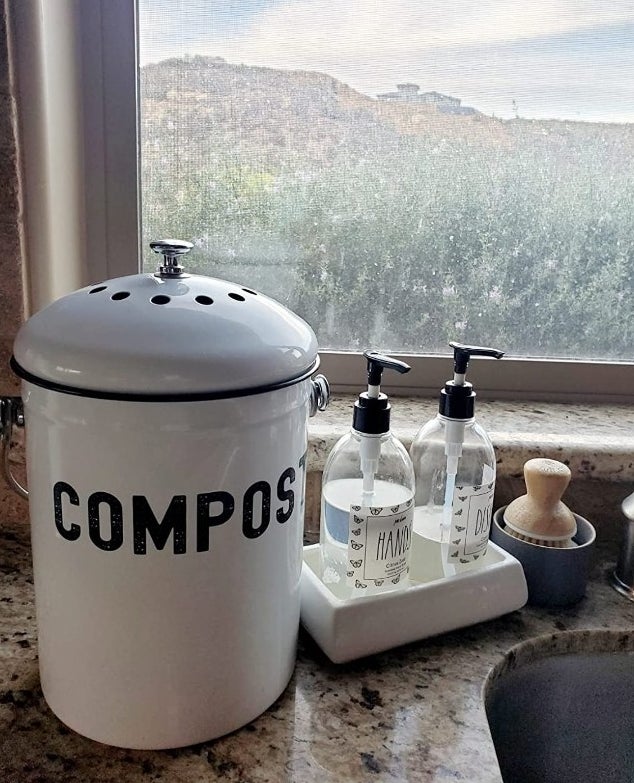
point(413, 714)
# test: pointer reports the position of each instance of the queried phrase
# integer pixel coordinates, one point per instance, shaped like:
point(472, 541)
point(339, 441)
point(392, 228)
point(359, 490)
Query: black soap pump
point(368, 497)
point(454, 464)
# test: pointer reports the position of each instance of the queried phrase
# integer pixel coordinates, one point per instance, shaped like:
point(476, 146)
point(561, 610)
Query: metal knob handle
point(171, 250)
point(319, 395)
point(11, 414)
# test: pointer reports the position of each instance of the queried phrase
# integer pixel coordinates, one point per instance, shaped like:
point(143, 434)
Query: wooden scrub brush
point(539, 516)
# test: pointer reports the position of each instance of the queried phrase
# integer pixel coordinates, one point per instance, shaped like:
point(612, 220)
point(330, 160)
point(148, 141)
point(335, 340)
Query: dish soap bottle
point(367, 500)
point(454, 463)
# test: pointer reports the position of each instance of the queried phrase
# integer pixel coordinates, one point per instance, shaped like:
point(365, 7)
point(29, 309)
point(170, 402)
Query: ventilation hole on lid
point(249, 291)
point(204, 300)
point(237, 297)
point(121, 295)
point(97, 289)
point(160, 299)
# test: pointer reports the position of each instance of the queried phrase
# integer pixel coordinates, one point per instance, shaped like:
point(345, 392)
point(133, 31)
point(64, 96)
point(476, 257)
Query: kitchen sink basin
point(561, 709)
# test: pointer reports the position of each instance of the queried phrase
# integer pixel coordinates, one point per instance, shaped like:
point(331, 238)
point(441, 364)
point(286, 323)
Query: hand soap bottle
point(367, 500)
point(454, 464)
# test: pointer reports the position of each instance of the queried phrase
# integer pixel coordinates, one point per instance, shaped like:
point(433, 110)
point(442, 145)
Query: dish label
point(470, 522)
point(379, 541)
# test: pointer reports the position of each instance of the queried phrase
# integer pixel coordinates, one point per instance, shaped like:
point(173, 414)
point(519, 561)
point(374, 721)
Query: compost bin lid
point(165, 336)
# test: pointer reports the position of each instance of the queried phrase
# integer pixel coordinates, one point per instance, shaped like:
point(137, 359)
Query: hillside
point(203, 104)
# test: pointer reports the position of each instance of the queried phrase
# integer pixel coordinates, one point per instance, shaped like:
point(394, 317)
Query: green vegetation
point(518, 234)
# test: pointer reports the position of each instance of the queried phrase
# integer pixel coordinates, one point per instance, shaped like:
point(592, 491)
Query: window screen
point(404, 173)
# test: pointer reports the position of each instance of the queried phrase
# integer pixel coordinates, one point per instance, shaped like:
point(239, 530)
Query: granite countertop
point(412, 714)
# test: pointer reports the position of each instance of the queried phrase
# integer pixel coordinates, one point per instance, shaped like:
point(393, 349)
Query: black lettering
point(393, 544)
point(380, 545)
point(479, 523)
point(285, 495)
point(264, 488)
point(402, 541)
point(174, 521)
point(116, 521)
point(205, 520)
point(483, 520)
point(71, 533)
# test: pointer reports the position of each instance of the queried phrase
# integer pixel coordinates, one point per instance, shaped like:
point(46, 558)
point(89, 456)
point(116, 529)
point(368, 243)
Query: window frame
point(74, 71)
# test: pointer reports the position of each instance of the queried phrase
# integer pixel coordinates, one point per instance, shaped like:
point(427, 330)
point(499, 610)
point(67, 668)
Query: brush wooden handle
point(541, 511)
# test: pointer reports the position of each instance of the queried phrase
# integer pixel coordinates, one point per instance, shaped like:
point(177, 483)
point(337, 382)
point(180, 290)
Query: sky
point(560, 59)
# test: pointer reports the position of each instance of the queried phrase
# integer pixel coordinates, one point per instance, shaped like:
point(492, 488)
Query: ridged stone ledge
point(596, 441)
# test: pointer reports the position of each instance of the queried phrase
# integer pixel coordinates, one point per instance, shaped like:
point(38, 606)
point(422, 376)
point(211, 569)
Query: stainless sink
point(561, 709)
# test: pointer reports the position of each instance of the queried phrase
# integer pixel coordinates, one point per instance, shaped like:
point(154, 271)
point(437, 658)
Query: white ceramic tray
point(349, 628)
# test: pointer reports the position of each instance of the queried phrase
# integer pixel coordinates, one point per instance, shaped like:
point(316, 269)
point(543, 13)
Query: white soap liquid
point(343, 493)
point(337, 497)
point(428, 525)
point(427, 522)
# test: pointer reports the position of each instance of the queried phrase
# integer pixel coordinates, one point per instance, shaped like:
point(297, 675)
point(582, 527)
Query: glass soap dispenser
point(367, 498)
point(454, 463)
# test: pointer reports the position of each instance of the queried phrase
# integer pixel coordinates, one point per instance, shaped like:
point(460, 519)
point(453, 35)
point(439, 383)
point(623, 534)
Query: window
point(404, 174)
point(493, 204)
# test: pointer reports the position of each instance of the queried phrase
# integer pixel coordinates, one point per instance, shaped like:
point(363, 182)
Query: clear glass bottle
point(476, 467)
point(343, 488)
point(454, 465)
point(367, 499)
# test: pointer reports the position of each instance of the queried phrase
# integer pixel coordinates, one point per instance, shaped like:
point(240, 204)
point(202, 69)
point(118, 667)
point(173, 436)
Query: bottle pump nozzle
point(372, 409)
point(377, 362)
point(457, 398)
point(463, 353)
